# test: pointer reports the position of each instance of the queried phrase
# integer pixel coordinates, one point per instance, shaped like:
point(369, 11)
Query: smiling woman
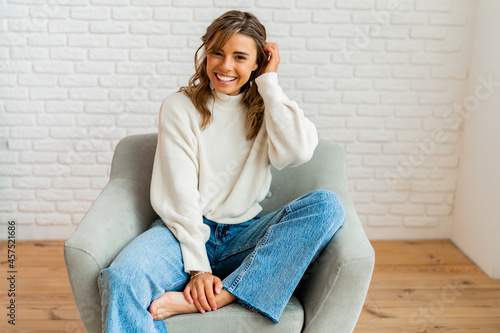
point(218, 138)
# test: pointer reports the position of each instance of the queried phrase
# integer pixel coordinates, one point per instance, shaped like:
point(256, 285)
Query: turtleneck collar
point(228, 103)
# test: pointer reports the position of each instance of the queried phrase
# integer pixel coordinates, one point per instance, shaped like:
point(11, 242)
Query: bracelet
point(196, 274)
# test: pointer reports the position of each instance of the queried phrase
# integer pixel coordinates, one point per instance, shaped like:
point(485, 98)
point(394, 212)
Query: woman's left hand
point(200, 291)
point(274, 58)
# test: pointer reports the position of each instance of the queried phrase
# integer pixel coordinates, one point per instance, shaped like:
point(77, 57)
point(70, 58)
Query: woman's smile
point(225, 79)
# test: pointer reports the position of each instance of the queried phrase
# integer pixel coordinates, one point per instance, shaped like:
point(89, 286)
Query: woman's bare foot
point(170, 304)
point(173, 303)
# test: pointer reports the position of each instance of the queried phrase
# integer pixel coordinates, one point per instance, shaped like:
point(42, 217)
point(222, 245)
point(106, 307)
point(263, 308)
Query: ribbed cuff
point(195, 257)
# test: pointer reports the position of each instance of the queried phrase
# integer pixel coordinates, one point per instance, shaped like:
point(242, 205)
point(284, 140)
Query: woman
point(217, 140)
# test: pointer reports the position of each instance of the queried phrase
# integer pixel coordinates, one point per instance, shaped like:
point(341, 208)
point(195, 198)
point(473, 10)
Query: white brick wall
point(377, 76)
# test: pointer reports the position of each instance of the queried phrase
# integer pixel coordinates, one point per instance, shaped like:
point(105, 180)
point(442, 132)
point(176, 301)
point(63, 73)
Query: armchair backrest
point(325, 170)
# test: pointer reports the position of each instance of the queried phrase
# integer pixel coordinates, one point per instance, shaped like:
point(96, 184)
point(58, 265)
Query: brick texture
point(376, 76)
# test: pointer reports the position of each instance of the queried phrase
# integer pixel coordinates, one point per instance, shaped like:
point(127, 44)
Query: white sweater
point(217, 172)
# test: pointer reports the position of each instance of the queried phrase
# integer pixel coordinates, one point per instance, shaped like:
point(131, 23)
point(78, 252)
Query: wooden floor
point(428, 286)
point(417, 286)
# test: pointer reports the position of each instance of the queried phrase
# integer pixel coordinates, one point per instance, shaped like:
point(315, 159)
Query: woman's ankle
point(224, 298)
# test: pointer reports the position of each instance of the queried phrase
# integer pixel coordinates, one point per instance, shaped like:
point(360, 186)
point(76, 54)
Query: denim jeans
point(260, 261)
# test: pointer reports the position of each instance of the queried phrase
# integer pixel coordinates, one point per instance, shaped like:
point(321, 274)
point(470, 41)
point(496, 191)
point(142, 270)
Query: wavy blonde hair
point(216, 36)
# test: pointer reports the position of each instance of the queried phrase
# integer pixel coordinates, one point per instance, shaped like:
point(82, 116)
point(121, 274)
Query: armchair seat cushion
point(235, 318)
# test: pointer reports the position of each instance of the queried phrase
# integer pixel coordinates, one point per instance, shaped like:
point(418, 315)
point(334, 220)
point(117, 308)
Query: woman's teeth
point(225, 78)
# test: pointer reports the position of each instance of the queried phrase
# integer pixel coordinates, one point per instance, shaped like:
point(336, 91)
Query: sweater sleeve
point(174, 184)
point(292, 137)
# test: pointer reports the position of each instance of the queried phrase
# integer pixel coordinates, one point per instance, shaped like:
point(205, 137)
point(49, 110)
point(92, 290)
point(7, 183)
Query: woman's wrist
point(195, 273)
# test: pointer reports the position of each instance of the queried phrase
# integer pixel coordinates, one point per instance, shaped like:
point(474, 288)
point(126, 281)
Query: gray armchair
point(328, 299)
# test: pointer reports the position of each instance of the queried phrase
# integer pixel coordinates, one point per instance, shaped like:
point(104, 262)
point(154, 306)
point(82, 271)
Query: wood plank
point(423, 296)
point(44, 326)
point(422, 252)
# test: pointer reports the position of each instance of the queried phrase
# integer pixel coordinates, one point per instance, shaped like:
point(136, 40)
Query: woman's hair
point(216, 36)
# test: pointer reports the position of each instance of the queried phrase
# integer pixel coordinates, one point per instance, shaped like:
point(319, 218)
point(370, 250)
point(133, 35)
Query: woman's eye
point(217, 54)
point(241, 58)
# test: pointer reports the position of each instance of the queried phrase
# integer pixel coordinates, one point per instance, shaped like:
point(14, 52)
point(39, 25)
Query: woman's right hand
point(274, 58)
point(200, 291)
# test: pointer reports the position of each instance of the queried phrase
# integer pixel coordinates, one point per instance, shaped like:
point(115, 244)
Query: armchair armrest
point(338, 281)
point(120, 213)
point(334, 287)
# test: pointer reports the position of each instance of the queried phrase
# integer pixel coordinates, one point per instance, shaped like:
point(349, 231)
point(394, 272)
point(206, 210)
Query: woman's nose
point(226, 63)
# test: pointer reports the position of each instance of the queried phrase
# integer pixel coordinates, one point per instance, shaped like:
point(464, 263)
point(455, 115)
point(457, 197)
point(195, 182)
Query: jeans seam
point(252, 256)
point(249, 246)
point(173, 287)
point(238, 250)
point(254, 253)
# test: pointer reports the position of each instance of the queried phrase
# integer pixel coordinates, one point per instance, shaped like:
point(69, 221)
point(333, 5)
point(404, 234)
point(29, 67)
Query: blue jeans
point(260, 261)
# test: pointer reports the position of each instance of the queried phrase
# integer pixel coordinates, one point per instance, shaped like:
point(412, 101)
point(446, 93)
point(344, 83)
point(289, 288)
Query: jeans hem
point(247, 305)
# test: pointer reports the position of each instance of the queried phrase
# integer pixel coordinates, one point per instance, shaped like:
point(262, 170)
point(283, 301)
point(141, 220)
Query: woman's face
point(230, 68)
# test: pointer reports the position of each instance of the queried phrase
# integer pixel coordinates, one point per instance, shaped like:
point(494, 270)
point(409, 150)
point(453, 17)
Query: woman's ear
point(255, 66)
